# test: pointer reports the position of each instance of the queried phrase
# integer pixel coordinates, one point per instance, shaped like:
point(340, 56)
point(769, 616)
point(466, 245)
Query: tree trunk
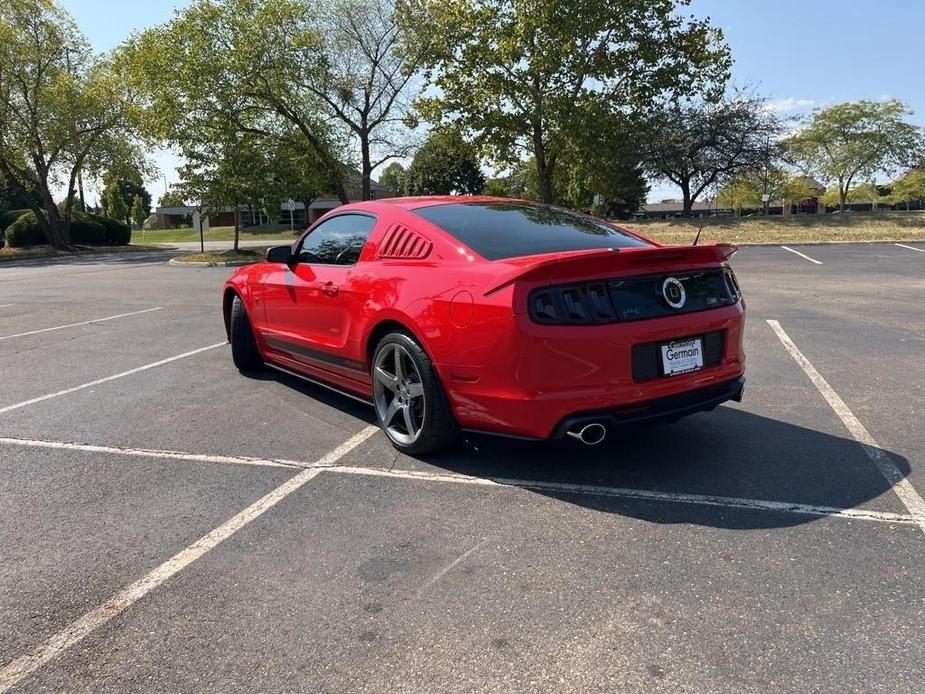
point(543, 166)
point(367, 171)
point(688, 203)
point(237, 226)
point(80, 187)
point(57, 229)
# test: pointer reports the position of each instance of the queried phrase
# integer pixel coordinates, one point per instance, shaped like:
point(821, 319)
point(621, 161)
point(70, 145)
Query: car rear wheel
point(243, 345)
point(410, 404)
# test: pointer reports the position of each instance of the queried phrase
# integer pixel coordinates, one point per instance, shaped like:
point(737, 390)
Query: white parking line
point(6, 305)
point(74, 325)
point(911, 248)
point(903, 488)
point(802, 255)
point(23, 666)
point(455, 478)
point(42, 398)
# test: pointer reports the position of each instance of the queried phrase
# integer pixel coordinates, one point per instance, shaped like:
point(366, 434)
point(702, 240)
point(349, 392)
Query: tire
point(243, 345)
point(410, 397)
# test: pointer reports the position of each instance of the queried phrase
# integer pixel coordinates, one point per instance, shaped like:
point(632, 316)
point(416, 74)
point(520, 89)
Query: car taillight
point(632, 298)
point(731, 282)
point(572, 304)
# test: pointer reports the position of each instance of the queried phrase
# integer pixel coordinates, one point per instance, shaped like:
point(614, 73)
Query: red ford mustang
point(493, 315)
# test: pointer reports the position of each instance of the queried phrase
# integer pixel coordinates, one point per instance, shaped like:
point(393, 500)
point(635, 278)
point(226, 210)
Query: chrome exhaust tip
point(590, 434)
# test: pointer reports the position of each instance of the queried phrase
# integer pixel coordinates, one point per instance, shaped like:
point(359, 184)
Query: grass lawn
point(244, 256)
point(214, 234)
point(8, 253)
point(864, 226)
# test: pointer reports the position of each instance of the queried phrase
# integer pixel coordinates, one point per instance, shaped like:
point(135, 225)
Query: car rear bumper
point(538, 377)
point(666, 409)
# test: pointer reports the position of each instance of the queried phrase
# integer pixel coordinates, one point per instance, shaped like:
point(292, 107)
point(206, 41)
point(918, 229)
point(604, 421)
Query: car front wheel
point(410, 404)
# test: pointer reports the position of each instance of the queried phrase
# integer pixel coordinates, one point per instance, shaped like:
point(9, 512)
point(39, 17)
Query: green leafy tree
point(697, 145)
point(909, 188)
point(241, 67)
point(393, 177)
point(113, 204)
point(138, 212)
point(13, 198)
point(497, 187)
point(62, 110)
point(866, 191)
point(602, 166)
point(173, 198)
point(126, 181)
point(445, 164)
point(519, 74)
point(741, 192)
point(849, 142)
point(244, 172)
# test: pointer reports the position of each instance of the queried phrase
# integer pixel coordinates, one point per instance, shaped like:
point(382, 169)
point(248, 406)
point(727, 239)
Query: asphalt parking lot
point(167, 524)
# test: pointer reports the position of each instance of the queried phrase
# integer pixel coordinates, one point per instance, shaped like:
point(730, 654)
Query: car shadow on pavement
point(728, 452)
point(334, 399)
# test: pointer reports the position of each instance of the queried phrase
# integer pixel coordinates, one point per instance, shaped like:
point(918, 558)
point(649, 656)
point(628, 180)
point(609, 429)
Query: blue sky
point(799, 53)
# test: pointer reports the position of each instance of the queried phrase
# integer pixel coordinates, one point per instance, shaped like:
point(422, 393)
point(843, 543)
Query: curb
point(225, 263)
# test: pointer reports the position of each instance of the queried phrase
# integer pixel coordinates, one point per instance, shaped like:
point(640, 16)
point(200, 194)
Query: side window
point(337, 241)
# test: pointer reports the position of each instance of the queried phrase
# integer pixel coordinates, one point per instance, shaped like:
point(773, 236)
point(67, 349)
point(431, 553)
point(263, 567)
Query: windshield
point(497, 230)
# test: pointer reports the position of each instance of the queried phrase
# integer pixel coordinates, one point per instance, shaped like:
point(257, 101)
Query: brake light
point(631, 298)
point(572, 304)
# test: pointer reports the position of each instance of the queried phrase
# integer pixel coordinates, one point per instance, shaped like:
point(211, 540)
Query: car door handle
point(329, 288)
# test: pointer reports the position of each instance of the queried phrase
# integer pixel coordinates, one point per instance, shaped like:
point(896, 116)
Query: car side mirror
point(280, 254)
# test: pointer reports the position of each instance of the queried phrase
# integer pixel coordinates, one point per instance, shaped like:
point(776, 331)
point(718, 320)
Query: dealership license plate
point(682, 356)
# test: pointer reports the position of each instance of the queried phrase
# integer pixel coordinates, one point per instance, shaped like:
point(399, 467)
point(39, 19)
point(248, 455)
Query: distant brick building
point(173, 217)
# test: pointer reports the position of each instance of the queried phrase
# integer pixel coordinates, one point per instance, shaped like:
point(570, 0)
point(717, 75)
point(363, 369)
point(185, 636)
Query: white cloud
point(791, 104)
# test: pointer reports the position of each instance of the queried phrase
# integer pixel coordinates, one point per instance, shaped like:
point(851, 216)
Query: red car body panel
point(502, 372)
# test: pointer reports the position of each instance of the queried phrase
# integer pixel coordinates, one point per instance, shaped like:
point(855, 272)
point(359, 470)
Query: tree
point(865, 191)
point(368, 63)
point(222, 67)
point(742, 192)
point(518, 75)
point(445, 164)
point(126, 182)
point(602, 166)
point(393, 177)
point(909, 188)
point(113, 205)
point(138, 212)
point(793, 190)
point(244, 172)
point(496, 187)
point(62, 110)
point(173, 198)
point(12, 198)
point(854, 141)
point(700, 144)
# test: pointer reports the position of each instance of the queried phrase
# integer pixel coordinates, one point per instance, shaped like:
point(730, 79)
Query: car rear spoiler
point(594, 263)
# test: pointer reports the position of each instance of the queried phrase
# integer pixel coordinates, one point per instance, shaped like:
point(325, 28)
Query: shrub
point(117, 233)
point(25, 231)
point(85, 228)
point(7, 217)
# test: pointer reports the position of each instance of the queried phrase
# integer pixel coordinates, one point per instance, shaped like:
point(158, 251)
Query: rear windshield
point(497, 230)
